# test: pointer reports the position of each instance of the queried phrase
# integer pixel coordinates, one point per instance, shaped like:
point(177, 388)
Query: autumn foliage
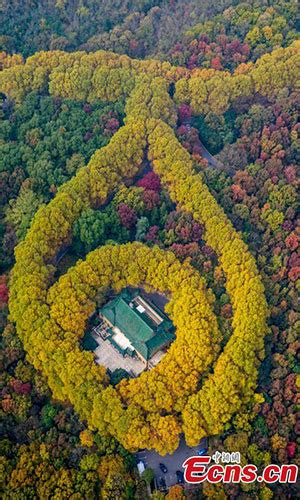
point(198, 388)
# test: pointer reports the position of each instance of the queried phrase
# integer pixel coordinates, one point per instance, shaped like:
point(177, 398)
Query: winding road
point(212, 161)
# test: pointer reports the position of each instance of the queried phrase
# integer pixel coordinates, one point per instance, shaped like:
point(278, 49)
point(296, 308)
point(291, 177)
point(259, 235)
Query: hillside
point(167, 163)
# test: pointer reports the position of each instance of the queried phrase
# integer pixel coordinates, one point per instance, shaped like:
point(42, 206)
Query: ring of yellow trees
point(163, 390)
point(196, 388)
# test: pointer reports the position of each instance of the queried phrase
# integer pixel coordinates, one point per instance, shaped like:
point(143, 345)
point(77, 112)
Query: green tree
point(142, 227)
point(21, 210)
point(148, 475)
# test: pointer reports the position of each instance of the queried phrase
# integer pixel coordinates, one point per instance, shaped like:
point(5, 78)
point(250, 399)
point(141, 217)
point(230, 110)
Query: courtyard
point(107, 355)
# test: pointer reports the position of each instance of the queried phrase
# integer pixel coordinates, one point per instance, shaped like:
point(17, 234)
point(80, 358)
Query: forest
point(149, 144)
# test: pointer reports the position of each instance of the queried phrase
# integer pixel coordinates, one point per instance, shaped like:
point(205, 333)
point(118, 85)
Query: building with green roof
point(135, 326)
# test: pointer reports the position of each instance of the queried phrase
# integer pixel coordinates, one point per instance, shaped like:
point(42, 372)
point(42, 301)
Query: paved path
point(212, 161)
point(173, 462)
point(108, 356)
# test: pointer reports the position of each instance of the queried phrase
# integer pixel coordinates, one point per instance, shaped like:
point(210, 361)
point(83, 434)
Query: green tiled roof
point(145, 337)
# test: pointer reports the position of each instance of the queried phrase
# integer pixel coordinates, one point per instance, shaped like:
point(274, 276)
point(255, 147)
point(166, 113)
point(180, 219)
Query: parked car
point(162, 483)
point(163, 468)
point(202, 452)
point(180, 476)
point(141, 467)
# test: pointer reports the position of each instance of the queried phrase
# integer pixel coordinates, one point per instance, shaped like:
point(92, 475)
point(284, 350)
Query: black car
point(180, 476)
point(162, 483)
point(163, 468)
